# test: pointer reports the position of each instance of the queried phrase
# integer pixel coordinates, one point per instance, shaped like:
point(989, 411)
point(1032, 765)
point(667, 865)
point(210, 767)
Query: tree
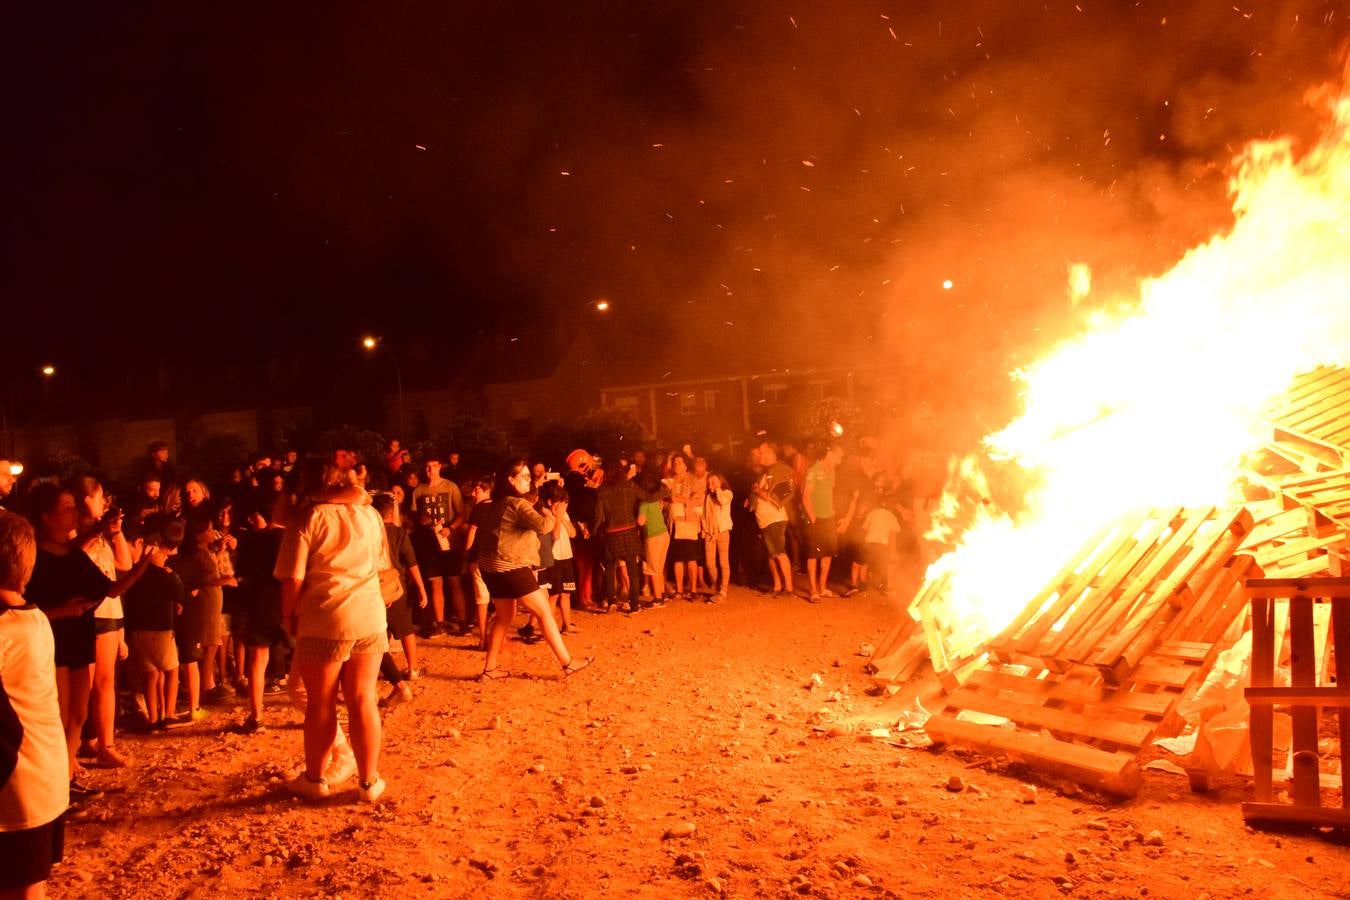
point(832, 418)
point(481, 447)
point(367, 445)
point(609, 432)
point(552, 445)
point(214, 457)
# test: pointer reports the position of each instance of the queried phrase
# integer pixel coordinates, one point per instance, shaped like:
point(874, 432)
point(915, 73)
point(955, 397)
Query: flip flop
point(493, 674)
point(576, 666)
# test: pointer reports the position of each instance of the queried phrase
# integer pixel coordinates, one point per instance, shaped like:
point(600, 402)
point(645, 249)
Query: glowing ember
point(1159, 400)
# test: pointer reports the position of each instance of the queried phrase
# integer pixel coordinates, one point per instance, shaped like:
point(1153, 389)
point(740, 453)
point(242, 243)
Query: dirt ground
point(697, 720)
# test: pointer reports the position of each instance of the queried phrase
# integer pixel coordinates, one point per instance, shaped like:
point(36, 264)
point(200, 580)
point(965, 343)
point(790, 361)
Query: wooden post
point(1263, 675)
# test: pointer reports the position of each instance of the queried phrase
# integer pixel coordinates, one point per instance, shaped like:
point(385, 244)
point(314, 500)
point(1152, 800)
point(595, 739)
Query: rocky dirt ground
point(688, 761)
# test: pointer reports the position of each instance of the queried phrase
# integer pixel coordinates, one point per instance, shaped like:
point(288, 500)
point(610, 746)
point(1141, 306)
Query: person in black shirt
point(150, 607)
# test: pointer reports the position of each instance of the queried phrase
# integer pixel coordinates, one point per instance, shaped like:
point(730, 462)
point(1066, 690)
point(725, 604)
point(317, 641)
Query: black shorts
point(775, 538)
point(510, 585)
point(399, 616)
point(30, 854)
point(684, 550)
point(822, 539)
point(441, 563)
point(74, 638)
point(563, 577)
point(107, 626)
point(189, 643)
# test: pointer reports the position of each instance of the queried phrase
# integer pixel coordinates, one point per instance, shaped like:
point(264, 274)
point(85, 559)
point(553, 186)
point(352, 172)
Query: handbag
point(391, 581)
point(686, 530)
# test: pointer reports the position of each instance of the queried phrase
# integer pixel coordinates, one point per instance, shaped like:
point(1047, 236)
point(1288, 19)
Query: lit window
point(774, 393)
point(688, 403)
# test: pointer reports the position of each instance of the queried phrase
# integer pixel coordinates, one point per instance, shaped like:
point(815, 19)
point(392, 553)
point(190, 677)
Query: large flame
point(1157, 403)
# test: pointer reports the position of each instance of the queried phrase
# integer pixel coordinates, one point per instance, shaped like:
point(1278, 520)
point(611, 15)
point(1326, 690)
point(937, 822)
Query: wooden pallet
point(1156, 576)
point(1294, 543)
point(899, 654)
point(1076, 724)
point(1312, 687)
point(1316, 411)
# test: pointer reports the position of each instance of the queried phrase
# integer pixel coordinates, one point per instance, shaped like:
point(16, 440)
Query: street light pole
point(372, 343)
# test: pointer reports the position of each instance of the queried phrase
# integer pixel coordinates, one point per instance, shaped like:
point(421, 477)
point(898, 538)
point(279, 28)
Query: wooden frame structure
point(1312, 687)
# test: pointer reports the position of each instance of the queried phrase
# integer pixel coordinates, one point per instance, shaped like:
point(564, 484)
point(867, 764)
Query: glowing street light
point(947, 285)
point(369, 342)
point(49, 370)
point(601, 305)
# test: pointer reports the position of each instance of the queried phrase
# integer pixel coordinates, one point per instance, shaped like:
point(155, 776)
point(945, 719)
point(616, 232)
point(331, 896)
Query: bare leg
point(565, 608)
point(321, 682)
point(785, 567)
point(170, 699)
point(360, 687)
point(537, 603)
point(257, 679)
point(437, 585)
point(811, 569)
point(72, 693)
point(410, 650)
point(482, 624)
point(825, 572)
point(679, 578)
point(208, 666)
point(193, 676)
point(501, 625)
point(103, 709)
point(152, 683)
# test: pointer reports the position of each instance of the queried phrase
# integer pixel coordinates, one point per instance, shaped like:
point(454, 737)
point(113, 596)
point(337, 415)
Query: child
point(481, 495)
point(149, 606)
point(259, 609)
point(717, 536)
point(197, 619)
point(562, 577)
point(880, 529)
point(34, 787)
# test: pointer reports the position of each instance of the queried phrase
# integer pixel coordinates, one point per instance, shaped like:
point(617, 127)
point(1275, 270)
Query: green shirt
point(656, 522)
point(820, 485)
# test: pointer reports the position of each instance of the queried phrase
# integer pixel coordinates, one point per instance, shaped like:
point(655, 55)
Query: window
point(688, 403)
point(818, 390)
point(627, 403)
point(710, 401)
point(774, 393)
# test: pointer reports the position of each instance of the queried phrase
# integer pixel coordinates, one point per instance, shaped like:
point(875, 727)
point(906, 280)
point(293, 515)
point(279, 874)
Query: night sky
point(236, 178)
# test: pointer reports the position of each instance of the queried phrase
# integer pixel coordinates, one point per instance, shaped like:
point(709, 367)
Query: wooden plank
point(1083, 647)
point(1214, 610)
point(1303, 674)
point(1340, 636)
point(1291, 696)
point(1123, 704)
point(1326, 588)
point(1116, 773)
point(1284, 812)
point(1262, 720)
point(1082, 725)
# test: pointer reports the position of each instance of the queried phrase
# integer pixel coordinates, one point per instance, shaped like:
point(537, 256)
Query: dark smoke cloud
point(745, 181)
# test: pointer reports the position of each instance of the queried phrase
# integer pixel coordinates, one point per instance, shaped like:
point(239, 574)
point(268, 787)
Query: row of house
point(547, 383)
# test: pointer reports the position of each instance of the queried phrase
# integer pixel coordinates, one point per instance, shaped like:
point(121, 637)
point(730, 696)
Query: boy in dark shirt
point(150, 607)
point(260, 600)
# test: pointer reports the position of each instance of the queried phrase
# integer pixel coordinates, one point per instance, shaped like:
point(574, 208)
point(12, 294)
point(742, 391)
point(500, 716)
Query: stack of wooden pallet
point(1094, 667)
point(1311, 423)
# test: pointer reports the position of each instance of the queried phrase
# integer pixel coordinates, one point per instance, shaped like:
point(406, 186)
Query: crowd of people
point(294, 574)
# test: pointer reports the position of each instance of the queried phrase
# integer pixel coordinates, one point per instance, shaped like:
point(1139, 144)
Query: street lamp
point(371, 343)
point(49, 370)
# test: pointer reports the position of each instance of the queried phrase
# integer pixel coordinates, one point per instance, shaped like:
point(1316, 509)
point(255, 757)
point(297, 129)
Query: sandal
point(574, 666)
point(493, 674)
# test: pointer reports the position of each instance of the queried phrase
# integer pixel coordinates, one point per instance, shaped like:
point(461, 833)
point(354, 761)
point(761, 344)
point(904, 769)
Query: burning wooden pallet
point(1295, 543)
point(1312, 687)
point(1312, 422)
point(1093, 668)
point(1158, 575)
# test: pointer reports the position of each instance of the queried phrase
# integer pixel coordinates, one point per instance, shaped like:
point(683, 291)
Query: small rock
point(629, 770)
point(1154, 839)
point(680, 830)
point(861, 880)
point(955, 784)
point(537, 768)
point(597, 801)
point(494, 723)
point(1026, 793)
point(715, 885)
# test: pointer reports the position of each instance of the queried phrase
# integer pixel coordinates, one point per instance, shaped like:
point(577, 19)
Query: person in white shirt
point(717, 535)
point(329, 565)
point(34, 791)
point(881, 527)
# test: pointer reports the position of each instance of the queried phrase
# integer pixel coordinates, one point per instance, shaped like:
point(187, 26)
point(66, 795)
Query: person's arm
point(290, 603)
point(416, 572)
point(807, 506)
point(847, 520)
point(566, 521)
point(75, 606)
point(121, 585)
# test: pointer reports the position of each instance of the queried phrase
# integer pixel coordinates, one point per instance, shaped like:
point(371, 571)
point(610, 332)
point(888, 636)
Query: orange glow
point(947, 285)
point(602, 305)
point(1160, 398)
point(49, 370)
point(369, 342)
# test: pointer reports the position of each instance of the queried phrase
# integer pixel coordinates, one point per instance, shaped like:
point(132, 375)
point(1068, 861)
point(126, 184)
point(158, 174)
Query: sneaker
point(401, 693)
point(86, 751)
point(273, 688)
point(717, 598)
point(301, 786)
point(341, 767)
point(657, 602)
point(251, 725)
point(111, 758)
point(81, 791)
point(214, 695)
point(372, 790)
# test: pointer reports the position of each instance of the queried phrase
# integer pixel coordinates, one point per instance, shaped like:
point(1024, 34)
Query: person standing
point(34, 794)
point(821, 530)
point(328, 566)
point(582, 482)
point(507, 544)
point(440, 504)
point(773, 492)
